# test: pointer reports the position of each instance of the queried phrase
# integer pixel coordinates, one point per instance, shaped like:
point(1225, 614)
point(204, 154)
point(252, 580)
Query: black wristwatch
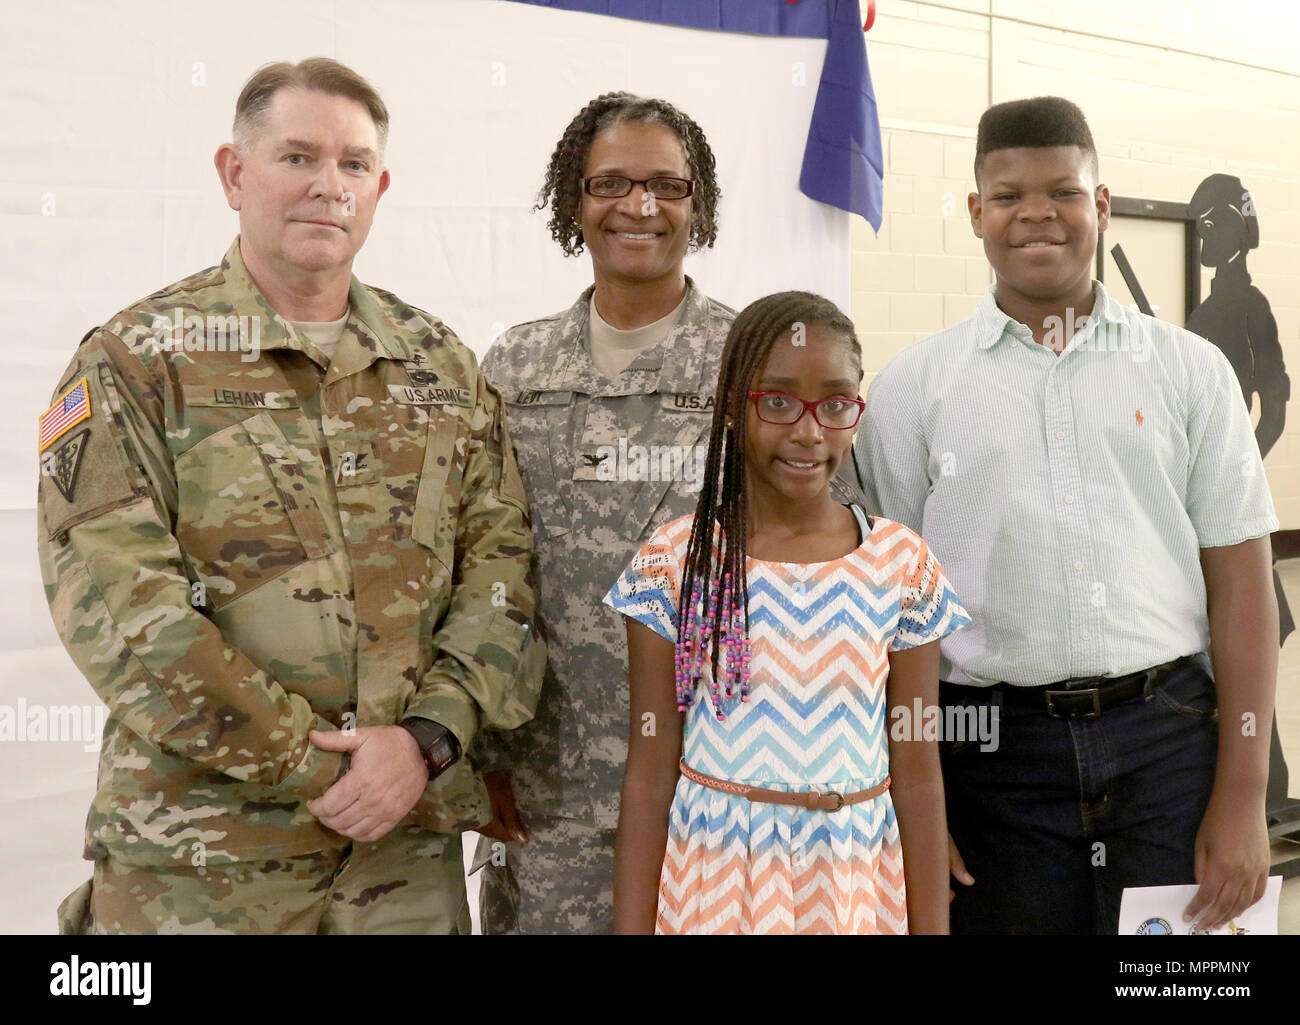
point(438, 745)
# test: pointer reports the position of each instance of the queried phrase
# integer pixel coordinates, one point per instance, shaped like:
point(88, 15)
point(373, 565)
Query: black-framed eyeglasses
point(834, 414)
point(614, 186)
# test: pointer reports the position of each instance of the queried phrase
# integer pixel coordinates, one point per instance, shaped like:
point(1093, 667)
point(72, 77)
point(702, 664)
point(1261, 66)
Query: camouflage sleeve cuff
point(487, 753)
point(448, 705)
point(317, 771)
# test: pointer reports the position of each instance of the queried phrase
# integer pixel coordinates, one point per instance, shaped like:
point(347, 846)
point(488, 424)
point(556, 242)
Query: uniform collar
point(367, 325)
point(674, 366)
point(994, 324)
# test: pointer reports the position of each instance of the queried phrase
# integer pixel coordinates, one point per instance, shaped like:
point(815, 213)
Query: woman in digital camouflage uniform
point(609, 404)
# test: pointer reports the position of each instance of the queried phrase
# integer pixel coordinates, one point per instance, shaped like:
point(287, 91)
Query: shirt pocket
point(437, 499)
point(662, 471)
point(538, 424)
point(246, 511)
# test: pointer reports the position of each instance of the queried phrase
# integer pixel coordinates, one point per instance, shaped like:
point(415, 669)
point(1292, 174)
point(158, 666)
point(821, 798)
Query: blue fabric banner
point(843, 163)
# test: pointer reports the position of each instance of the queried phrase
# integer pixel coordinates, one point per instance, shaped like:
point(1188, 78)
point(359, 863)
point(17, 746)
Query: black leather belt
point(1083, 698)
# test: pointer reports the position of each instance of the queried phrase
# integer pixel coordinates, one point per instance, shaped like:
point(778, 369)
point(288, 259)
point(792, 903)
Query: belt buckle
point(1096, 703)
point(815, 797)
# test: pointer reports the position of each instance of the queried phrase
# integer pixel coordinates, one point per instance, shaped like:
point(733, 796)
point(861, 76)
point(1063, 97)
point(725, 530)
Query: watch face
point(441, 754)
point(437, 743)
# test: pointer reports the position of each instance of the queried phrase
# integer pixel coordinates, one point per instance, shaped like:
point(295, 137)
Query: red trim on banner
point(871, 13)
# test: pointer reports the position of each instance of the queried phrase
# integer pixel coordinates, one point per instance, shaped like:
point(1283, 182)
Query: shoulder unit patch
point(67, 463)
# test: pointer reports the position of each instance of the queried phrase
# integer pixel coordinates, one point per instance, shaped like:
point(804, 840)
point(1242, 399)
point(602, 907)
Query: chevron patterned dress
point(820, 634)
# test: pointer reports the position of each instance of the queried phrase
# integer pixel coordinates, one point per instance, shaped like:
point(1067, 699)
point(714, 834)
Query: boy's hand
point(957, 868)
point(1231, 861)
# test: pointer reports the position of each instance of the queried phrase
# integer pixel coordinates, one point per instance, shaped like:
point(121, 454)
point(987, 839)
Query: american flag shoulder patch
point(69, 409)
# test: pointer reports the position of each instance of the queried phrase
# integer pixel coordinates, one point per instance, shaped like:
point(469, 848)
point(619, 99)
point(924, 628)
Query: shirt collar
point(366, 320)
point(674, 366)
point(994, 324)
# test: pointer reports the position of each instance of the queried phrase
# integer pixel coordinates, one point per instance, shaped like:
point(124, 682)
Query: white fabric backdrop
point(108, 192)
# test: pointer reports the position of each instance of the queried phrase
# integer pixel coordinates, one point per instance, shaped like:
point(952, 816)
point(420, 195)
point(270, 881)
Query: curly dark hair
point(562, 191)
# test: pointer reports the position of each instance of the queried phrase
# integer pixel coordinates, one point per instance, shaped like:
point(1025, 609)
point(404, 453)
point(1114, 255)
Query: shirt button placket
point(1071, 516)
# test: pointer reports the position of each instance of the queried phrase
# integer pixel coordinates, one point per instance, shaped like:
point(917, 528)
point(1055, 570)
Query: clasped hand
point(383, 782)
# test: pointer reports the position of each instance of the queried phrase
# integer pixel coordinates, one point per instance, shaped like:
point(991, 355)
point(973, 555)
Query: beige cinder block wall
point(1174, 90)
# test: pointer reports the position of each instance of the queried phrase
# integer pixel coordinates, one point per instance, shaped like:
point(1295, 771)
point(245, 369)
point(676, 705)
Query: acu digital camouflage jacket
point(605, 462)
point(239, 546)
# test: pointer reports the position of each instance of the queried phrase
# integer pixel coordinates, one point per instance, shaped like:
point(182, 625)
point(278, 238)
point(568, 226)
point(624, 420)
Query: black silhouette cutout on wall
point(1220, 227)
point(1236, 317)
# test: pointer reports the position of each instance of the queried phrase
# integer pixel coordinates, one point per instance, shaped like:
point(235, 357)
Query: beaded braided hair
point(714, 616)
point(562, 190)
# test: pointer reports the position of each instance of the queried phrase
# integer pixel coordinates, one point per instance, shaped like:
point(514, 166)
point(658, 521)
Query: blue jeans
point(1065, 813)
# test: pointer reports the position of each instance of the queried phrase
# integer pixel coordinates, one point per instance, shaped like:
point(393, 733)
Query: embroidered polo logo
point(67, 463)
point(1138, 417)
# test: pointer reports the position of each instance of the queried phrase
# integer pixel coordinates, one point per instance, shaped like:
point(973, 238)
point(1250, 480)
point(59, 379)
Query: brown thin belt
point(813, 800)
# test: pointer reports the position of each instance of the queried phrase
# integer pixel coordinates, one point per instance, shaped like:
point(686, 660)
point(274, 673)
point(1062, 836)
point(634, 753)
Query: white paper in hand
point(1158, 911)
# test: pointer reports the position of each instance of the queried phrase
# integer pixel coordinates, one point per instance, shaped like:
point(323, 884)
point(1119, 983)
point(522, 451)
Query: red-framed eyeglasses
point(834, 414)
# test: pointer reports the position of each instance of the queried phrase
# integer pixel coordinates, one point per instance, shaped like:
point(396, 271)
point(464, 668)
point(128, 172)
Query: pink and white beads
point(692, 656)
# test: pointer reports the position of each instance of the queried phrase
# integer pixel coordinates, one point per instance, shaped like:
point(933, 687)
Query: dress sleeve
point(648, 590)
point(929, 608)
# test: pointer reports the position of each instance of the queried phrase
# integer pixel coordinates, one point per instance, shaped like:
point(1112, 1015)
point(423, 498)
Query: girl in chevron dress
point(763, 793)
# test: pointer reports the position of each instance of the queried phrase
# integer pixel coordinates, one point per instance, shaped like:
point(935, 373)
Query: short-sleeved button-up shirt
point(1068, 497)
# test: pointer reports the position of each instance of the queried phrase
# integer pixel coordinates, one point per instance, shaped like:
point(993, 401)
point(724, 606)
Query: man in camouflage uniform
point(264, 559)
